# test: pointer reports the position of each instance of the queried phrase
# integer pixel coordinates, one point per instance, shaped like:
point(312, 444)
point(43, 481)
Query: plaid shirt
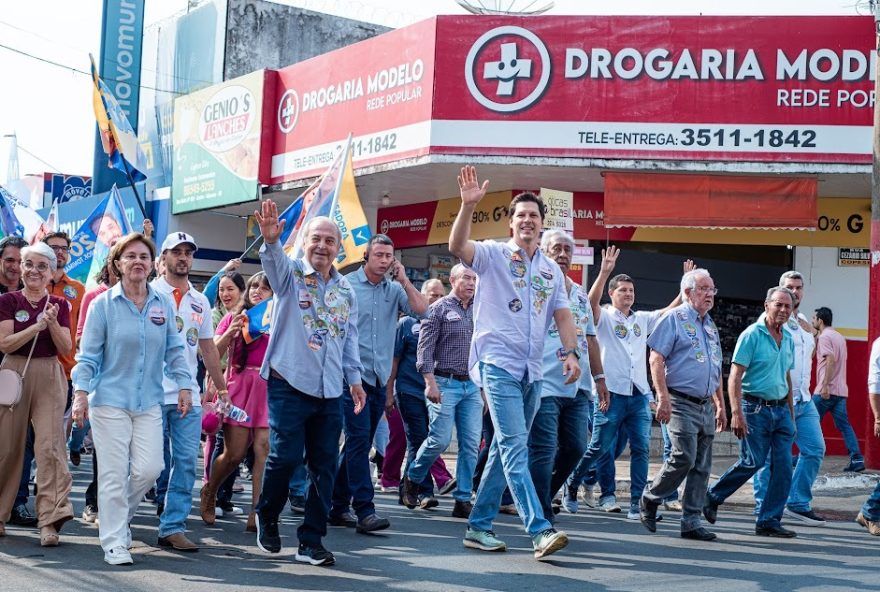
point(445, 337)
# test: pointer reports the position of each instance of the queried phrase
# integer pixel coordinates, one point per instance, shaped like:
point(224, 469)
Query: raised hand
point(232, 265)
point(148, 227)
point(469, 186)
point(688, 266)
point(609, 259)
point(267, 218)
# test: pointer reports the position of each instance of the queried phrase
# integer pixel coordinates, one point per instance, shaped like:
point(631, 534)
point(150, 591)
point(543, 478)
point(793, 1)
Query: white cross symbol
point(288, 111)
point(507, 69)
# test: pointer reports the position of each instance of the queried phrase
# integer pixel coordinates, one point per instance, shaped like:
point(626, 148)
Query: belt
point(691, 398)
point(765, 402)
point(459, 377)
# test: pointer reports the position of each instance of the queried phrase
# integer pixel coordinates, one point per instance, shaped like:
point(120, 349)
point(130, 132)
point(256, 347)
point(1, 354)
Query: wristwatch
point(599, 377)
point(574, 351)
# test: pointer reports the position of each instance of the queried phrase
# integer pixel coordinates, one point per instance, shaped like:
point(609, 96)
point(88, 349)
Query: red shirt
point(16, 308)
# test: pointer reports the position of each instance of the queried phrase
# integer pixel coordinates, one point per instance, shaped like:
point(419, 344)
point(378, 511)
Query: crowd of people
point(543, 386)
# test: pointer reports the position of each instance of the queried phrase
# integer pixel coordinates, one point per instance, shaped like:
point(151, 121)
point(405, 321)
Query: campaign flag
point(258, 321)
point(49, 225)
point(117, 136)
point(349, 216)
point(91, 244)
point(9, 223)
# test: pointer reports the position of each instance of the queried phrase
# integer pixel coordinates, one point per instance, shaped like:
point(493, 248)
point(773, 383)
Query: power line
point(32, 155)
point(83, 72)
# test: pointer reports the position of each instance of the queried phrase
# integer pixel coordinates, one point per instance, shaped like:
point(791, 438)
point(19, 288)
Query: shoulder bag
point(11, 381)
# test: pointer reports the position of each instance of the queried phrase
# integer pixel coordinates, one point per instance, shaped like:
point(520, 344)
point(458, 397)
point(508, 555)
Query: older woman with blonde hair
point(34, 327)
point(129, 341)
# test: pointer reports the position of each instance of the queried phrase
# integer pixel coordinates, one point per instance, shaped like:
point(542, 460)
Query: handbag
point(11, 382)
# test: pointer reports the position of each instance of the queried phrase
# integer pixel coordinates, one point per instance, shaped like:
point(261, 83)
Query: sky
point(49, 107)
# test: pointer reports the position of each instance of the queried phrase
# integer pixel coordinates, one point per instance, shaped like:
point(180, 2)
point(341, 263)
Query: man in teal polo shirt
point(763, 413)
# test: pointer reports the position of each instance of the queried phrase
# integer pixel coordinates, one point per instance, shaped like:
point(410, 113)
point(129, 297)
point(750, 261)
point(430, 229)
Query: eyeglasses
point(707, 290)
point(41, 267)
point(60, 248)
point(132, 257)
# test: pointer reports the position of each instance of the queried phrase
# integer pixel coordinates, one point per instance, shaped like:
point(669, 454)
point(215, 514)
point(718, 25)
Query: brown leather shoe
point(178, 542)
point(873, 526)
point(207, 505)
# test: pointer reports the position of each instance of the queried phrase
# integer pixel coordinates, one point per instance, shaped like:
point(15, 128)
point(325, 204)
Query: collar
point(762, 325)
point(309, 270)
point(361, 276)
point(620, 312)
point(162, 285)
point(116, 292)
point(64, 279)
point(518, 249)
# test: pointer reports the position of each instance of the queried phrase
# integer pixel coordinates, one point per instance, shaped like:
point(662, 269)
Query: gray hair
point(43, 250)
point(428, 283)
point(790, 275)
point(777, 289)
point(553, 235)
point(308, 227)
point(689, 280)
point(457, 270)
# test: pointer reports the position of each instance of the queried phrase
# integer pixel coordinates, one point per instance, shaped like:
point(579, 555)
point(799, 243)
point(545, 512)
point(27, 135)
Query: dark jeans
point(488, 436)
point(301, 424)
point(354, 484)
point(23, 492)
point(557, 442)
point(414, 413)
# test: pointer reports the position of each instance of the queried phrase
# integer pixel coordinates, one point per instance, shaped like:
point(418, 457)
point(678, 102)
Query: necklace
point(33, 304)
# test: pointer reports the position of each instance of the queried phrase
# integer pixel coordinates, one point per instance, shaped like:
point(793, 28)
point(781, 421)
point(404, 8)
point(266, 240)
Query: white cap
point(178, 238)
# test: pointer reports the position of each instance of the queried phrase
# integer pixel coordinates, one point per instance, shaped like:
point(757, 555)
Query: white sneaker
point(128, 539)
point(610, 506)
point(588, 495)
point(672, 506)
point(118, 556)
point(218, 512)
point(632, 514)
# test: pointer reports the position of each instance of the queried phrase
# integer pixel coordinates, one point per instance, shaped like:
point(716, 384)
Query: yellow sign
point(489, 219)
point(841, 222)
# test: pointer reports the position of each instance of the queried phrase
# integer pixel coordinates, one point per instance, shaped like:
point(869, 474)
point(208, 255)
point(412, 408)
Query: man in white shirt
point(623, 334)
point(809, 438)
point(183, 432)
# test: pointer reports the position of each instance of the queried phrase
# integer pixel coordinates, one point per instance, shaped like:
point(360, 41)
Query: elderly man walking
point(686, 368)
point(520, 292)
point(763, 413)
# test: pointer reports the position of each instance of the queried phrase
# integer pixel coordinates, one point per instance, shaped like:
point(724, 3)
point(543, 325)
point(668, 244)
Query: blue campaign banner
point(72, 214)
point(122, 29)
point(91, 244)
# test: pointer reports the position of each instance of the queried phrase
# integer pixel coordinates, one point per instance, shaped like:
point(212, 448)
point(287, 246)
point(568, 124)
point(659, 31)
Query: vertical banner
point(122, 29)
point(91, 244)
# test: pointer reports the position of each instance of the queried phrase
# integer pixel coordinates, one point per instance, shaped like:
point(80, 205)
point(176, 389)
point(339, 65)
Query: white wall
point(842, 289)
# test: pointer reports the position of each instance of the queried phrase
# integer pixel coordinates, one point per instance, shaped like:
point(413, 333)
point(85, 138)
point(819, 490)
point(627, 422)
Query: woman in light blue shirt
point(130, 339)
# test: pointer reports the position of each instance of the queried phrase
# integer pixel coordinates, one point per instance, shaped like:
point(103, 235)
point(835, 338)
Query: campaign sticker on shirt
point(179, 322)
point(453, 316)
point(518, 268)
point(519, 284)
point(561, 353)
point(515, 257)
point(701, 357)
point(305, 299)
point(637, 330)
point(710, 330)
point(69, 292)
point(690, 329)
point(682, 315)
point(192, 336)
point(792, 324)
point(196, 307)
point(547, 274)
point(416, 328)
point(311, 281)
point(620, 330)
point(157, 316)
point(515, 305)
point(316, 342)
point(331, 298)
point(22, 316)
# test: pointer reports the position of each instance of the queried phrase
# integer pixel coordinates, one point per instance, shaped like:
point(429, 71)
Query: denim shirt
point(125, 352)
point(554, 382)
point(767, 364)
point(379, 305)
point(513, 307)
point(692, 350)
point(313, 341)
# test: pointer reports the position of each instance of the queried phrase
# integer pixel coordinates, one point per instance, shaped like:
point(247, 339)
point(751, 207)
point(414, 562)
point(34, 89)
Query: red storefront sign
point(719, 88)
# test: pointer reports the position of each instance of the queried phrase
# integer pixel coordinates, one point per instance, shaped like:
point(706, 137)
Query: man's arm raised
point(609, 260)
point(472, 192)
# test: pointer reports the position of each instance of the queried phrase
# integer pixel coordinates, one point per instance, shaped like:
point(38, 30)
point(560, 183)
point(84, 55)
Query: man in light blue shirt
point(379, 301)
point(763, 413)
point(520, 291)
point(312, 348)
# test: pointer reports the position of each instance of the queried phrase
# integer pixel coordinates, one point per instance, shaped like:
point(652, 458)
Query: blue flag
point(258, 322)
point(91, 244)
point(9, 223)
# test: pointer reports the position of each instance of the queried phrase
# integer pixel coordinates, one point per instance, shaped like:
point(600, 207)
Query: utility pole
point(872, 444)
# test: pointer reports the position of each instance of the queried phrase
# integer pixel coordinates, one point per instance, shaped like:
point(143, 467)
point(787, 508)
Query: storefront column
point(872, 444)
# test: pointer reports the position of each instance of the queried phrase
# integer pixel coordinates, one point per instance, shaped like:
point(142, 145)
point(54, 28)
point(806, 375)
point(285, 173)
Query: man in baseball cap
point(176, 239)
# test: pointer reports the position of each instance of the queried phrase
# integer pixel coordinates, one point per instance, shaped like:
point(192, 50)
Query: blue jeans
point(556, 444)
point(184, 435)
point(603, 472)
point(837, 406)
point(811, 445)
point(488, 436)
point(299, 482)
point(632, 417)
point(512, 406)
point(770, 432)
point(162, 481)
point(414, 414)
point(871, 509)
point(354, 483)
point(462, 406)
point(300, 424)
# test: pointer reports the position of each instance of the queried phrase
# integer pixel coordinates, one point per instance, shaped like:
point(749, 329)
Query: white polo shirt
point(804, 344)
point(193, 319)
point(623, 343)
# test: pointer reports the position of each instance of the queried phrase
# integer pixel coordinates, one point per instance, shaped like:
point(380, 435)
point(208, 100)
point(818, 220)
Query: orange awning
point(709, 201)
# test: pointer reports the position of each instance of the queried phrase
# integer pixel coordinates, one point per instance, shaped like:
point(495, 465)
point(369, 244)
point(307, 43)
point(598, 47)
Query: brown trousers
point(43, 397)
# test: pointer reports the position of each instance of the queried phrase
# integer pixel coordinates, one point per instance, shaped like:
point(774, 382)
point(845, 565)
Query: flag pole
point(251, 246)
point(131, 184)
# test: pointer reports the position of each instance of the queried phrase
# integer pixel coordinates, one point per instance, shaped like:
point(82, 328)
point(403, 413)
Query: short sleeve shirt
point(766, 364)
point(804, 344)
point(513, 307)
point(409, 380)
point(554, 382)
point(832, 343)
point(15, 307)
point(623, 343)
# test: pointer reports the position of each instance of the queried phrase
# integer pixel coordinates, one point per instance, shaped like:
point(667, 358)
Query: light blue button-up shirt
point(767, 364)
point(692, 350)
point(513, 307)
point(554, 381)
point(313, 341)
point(124, 352)
point(379, 306)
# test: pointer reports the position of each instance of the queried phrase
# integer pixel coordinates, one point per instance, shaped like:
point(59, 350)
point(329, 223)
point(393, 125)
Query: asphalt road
point(423, 551)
